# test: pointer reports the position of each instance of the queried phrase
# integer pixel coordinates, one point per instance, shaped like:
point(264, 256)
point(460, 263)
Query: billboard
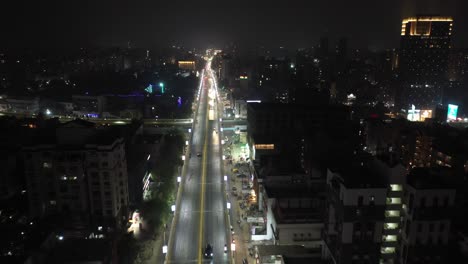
point(417, 115)
point(452, 112)
point(425, 114)
point(414, 114)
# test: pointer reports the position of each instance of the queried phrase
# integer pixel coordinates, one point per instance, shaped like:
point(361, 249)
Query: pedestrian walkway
point(239, 211)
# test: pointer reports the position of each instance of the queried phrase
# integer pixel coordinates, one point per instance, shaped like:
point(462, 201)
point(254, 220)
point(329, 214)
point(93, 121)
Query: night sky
point(292, 23)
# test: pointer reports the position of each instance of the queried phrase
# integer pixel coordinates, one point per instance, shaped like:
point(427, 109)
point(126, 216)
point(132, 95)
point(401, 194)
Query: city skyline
point(271, 24)
point(313, 132)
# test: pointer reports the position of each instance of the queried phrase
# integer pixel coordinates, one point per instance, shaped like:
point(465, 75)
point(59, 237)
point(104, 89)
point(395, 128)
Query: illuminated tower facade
point(424, 52)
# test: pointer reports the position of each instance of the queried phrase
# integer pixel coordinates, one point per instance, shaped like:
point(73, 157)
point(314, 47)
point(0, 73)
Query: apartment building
point(363, 215)
point(428, 212)
point(79, 171)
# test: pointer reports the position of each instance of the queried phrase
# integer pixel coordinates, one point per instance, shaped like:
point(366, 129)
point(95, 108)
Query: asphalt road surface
point(201, 214)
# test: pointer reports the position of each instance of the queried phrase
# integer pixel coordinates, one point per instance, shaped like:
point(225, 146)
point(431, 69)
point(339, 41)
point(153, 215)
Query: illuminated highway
point(201, 213)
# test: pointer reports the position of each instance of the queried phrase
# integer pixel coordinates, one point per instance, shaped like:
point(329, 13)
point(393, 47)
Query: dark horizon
point(373, 24)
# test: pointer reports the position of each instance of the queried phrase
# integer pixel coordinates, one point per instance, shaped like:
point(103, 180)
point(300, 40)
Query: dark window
point(408, 228)
point(435, 202)
point(441, 227)
point(446, 201)
point(440, 241)
point(419, 227)
point(61, 169)
point(372, 200)
point(357, 226)
point(370, 226)
point(431, 227)
point(410, 203)
point(63, 188)
point(360, 200)
point(423, 202)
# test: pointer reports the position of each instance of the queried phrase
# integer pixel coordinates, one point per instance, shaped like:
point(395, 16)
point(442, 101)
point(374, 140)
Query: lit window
point(389, 238)
point(392, 213)
point(387, 250)
point(264, 146)
point(396, 187)
point(393, 200)
point(390, 226)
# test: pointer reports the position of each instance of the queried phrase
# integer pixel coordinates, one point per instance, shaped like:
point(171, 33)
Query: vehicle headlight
point(211, 254)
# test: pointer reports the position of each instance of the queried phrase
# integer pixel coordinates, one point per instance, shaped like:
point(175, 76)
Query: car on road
point(234, 188)
point(208, 251)
point(198, 154)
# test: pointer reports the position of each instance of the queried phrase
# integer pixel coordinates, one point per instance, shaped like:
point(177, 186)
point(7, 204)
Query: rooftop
point(292, 254)
point(431, 178)
point(289, 191)
point(357, 176)
point(82, 250)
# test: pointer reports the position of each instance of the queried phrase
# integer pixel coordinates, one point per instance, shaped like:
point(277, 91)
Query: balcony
point(388, 252)
point(391, 229)
point(391, 226)
point(392, 216)
point(396, 187)
point(389, 240)
point(392, 213)
point(393, 203)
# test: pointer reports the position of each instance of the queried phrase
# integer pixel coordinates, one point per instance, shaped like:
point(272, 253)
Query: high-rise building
point(79, 171)
point(362, 219)
point(427, 216)
point(354, 217)
point(424, 52)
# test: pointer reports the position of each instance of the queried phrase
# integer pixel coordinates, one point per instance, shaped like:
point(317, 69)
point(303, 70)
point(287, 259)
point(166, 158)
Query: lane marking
point(202, 200)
